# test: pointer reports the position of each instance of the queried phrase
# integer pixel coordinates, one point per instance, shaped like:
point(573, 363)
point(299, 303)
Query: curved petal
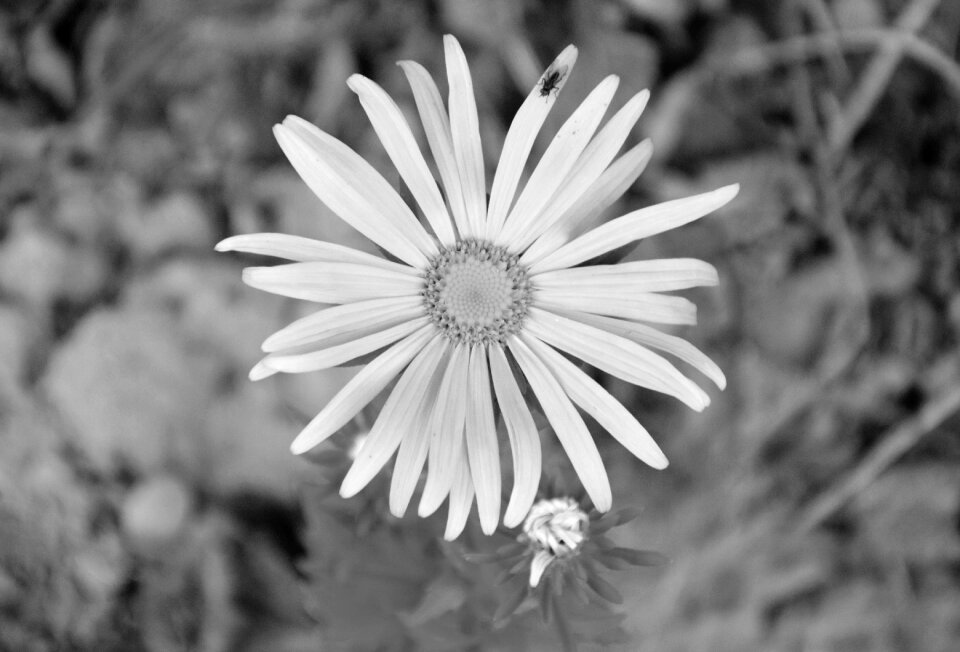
point(615, 355)
point(661, 275)
point(361, 389)
point(402, 148)
point(521, 136)
point(358, 207)
point(601, 405)
point(481, 438)
point(567, 423)
point(557, 161)
point(396, 419)
point(461, 499)
point(523, 435)
point(639, 224)
point(465, 132)
point(332, 282)
point(641, 306)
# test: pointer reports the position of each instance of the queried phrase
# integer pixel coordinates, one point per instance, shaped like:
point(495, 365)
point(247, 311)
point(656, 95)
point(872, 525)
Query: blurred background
point(147, 497)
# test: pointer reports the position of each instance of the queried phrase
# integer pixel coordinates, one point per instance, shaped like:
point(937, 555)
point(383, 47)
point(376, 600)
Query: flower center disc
point(476, 293)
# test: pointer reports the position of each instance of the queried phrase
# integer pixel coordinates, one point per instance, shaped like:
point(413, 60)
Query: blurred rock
point(17, 336)
point(155, 512)
point(90, 209)
point(130, 390)
point(33, 262)
point(49, 66)
point(177, 221)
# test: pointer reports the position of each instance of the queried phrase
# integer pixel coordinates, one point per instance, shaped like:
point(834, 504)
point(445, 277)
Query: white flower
point(486, 283)
point(555, 528)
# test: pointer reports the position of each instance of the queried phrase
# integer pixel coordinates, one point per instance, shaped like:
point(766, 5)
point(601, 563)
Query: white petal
point(436, 126)
point(361, 389)
point(601, 194)
point(461, 499)
point(521, 136)
point(538, 565)
point(365, 180)
point(642, 306)
point(446, 431)
point(413, 451)
point(588, 168)
point(634, 226)
point(306, 250)
point(396, 419)
point(615, 355)
point(481, 439)
point(401, 146)
point(524, 438)
point(260, 371)
point(557, 161)
point(598, 403)
point(341, 353)
point(662, 275)
point(567, 423)
point(653, 338)
point(332, 282)
point(465, 132)
point(324, 325)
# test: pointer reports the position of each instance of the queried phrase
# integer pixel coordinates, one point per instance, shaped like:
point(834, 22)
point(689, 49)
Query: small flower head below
point(555, 529)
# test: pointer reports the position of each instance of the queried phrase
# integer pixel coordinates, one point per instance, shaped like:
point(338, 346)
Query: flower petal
point(601, 405)
point(634, 226)
point(567, 423)
point(661, 275)
point(651, 337)
point(541, 560)
point(446, 430)
point(344, 320)
point(601, 194)
point(481, 439)
point(588, 168)
point(403, 150)
point(341, 353)
point(642, 306)
point(332, 282)
point(461, 499)
point(306, 250)
point(396, 419)
point(557, 161)
point(465, 132)
point(615, 355)
point(361, 389)
point(521, 136)
point(436, 126)
point(524, 438)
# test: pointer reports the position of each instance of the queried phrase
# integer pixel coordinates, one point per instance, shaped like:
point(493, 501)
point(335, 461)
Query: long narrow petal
point(639, 224)
point(361, 389)
point(413, 451)
point(408, 242)
point(481, 438)
point(461, 499)
point(402, 148)
point(436, 126)
point(306, 250)
point(615, 355)
point(651, 337)
point(598, 403)
point(523, 435)
point(465, 131)
point(341, 353)
point(567, 423)
point(601, 194)
point(446, 431)
point(661, 275)
point(396, 419)
point(332, 282)
point(558, 160)
point(324, 325)
point(588, 168)
point(641, 306)
point(521, 136)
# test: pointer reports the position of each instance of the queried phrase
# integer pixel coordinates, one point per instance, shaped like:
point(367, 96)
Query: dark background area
point(147, 496)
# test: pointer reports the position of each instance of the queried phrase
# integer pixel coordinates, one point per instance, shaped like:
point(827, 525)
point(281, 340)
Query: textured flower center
point(557, 526)
point(476, 293)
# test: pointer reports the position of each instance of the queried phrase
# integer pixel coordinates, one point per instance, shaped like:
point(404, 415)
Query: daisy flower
point(480, 292)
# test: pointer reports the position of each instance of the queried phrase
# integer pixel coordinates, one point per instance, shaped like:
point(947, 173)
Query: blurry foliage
point(147, 498)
